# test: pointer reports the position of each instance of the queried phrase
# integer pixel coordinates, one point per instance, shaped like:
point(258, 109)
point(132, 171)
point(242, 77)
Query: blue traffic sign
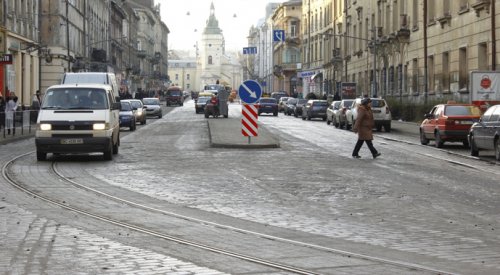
point(250, 50)
point(250, 91)
point(278, 35)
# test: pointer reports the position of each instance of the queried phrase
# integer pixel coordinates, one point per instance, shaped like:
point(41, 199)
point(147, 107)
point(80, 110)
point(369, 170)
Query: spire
point(212, 22)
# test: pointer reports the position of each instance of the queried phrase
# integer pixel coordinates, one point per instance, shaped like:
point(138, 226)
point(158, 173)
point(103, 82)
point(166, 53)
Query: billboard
point(348, 90)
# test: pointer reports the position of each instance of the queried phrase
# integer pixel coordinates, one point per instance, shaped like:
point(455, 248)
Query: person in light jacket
point(364, 128)
point(10, 109)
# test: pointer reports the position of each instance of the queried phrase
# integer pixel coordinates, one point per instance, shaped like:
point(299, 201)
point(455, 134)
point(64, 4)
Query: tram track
point(7, 175)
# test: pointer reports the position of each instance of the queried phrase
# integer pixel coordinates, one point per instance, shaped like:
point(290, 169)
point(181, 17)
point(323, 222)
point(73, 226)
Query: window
point(446, 72)
point(293, 29)
point(430, 73)
point(482, 56)
point(188, 76)
point(414, 84)
point(463, 69)
point(210, 60)
point(176, 76)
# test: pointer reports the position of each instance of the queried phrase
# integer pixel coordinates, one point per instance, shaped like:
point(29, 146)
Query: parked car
point(199, 104)
point(315, 108)
point(449, 122)
point(381, 114)
point(341, 116)
point(282, 102)
point(174, 96)
point(297, 111)
point(268, 105)
point(278, 95)
point(331, 111)
point(153, 106)
point(290, 104)
point(485, 134)
point(140, 110)
point(127, 116)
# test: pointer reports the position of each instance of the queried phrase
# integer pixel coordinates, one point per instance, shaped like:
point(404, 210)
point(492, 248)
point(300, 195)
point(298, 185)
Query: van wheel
point(473, 148)
point(108, 154)
point(116, 146)
point(41, 156)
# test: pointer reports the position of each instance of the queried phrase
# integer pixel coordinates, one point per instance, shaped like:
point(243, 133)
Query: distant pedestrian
point(364, 128)
point(10, 109)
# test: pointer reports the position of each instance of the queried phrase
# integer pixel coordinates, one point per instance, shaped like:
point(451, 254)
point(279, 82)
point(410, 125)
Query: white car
point(331, 113)
point(381, 114)
point(153, 106)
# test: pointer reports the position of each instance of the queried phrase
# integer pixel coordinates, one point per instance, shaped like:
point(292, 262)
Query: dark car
point(174, 96)
point(449, 122)
point(199, 104)
point(315, 108)
point(297, 111)
point(139, 108)
point(268, 105)
point(127, 116)
point(485, 134)
point(289, 105)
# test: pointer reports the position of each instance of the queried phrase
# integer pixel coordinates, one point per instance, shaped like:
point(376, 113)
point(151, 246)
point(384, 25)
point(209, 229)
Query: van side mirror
point(116, 106)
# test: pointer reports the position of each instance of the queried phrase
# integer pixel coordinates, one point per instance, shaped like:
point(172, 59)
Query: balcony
point(286, 67)
point(446, 18)
point(141, 53)
point(480, 5)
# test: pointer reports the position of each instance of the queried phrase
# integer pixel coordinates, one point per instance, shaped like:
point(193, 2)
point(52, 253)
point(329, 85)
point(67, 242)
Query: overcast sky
point(235, 29)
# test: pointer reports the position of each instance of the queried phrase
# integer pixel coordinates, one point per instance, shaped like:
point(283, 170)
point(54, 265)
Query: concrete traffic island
point(226, 133)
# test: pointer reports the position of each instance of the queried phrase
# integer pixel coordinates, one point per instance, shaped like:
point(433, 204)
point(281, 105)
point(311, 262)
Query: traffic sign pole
point(250, 93)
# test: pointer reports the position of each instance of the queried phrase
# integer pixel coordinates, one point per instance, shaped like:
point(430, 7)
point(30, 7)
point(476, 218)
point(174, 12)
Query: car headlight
point(45, 127)
point(139, 111)
point(99, 126)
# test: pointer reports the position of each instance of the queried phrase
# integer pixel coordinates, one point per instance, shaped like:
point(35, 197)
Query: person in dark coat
point(364, 128)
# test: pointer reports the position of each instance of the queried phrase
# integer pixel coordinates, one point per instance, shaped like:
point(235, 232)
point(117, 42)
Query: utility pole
point(67, 35)
point(426, 84)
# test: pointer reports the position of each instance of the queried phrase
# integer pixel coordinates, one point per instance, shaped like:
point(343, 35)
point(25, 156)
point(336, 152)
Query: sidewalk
point(20, 133)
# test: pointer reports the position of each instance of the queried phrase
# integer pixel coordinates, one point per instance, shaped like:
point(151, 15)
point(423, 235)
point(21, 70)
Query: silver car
point(153, 107)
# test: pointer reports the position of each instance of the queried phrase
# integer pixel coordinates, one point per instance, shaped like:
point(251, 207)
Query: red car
point(449, 122)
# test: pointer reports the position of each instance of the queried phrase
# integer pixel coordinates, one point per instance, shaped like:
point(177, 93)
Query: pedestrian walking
point(10, 109)
point(364, 128)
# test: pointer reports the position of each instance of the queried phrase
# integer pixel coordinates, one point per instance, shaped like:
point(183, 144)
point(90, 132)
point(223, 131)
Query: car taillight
point(343, 110)
point(387, 110)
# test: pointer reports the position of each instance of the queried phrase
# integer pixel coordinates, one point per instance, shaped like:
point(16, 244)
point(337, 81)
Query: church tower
point(212, 50)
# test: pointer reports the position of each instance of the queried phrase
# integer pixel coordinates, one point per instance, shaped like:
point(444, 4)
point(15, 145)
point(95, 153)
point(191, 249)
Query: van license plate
point(72, 141)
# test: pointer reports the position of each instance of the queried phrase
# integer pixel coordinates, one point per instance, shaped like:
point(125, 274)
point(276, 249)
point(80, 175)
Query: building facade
point(48, 38)
point(287, 53)
point(409, 49)
point(19, 36)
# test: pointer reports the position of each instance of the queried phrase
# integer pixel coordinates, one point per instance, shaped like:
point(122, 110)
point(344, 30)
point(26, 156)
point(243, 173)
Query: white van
point(92, 78)
point(78, 118)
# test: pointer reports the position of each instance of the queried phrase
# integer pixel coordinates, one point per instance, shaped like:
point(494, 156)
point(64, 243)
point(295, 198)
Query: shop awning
point(318, 75)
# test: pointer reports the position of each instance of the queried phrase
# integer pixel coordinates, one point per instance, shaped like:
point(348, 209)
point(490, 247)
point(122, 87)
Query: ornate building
point(215, 64)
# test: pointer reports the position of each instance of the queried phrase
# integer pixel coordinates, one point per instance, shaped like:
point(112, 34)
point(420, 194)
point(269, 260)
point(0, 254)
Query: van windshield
point(75, 98)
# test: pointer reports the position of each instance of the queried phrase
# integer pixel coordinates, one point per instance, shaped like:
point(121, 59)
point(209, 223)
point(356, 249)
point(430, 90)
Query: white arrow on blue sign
point(278, 35)
point(250, 91)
